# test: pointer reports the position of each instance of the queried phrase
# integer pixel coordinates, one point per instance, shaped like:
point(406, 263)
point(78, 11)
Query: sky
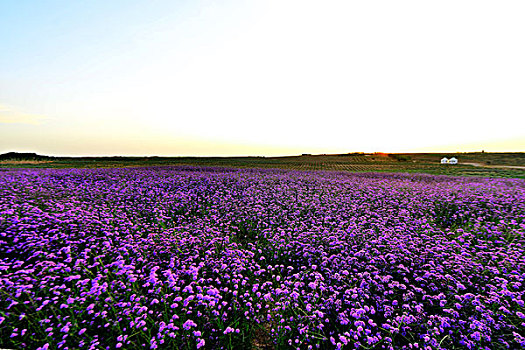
point(223, 78)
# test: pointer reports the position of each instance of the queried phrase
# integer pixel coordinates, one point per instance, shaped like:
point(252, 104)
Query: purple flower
point(323, 253)
point(189, 324)
point(476, 336)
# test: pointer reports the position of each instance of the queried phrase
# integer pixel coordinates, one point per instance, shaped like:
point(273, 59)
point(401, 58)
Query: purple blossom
point(189, 324)
point(321, 259)
point(228, 330)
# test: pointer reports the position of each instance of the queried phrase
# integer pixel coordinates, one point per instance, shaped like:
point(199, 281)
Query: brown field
point(22, 162)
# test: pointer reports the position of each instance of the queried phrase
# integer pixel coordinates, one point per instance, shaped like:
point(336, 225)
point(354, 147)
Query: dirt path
point(496, 166)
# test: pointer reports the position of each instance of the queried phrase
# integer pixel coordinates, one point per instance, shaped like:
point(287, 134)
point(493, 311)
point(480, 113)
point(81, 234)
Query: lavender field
point(185, 258)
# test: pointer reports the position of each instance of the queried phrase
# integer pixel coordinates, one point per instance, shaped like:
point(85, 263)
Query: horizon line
point(248, 156)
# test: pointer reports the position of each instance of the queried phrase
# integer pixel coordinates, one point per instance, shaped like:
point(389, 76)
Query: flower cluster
point(186, 258)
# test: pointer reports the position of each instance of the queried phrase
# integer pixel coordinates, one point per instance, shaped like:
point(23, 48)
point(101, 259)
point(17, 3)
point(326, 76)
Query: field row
point(305, 163)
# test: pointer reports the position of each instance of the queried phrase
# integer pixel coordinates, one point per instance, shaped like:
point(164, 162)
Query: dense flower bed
point(174, 258)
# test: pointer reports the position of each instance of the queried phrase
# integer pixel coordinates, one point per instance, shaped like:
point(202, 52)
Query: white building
point(444, 160)
point(453, 160)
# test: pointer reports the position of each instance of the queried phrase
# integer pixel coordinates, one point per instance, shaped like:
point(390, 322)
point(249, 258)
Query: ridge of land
point(503, 164)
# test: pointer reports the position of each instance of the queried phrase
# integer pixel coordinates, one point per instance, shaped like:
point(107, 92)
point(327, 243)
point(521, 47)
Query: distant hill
point(23, 156)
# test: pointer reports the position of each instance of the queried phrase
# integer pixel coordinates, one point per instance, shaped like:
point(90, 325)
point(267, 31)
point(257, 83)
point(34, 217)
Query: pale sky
point(261, 77)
